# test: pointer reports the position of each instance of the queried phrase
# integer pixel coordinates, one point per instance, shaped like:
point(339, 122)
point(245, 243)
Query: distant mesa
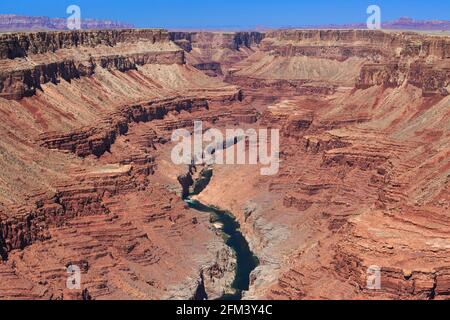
point(403, 23)
point(408, 23)
point(12, 22)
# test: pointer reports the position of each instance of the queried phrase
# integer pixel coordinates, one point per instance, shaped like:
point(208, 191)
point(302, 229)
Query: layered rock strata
point(88, 178)
point(215, 52)
point(364, 174)
point(70, 193)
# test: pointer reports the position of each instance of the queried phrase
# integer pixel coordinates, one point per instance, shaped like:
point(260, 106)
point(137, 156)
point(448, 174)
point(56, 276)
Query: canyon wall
point(70, 193)
point(15, 45)
point(215, 52)
point(392, 43)
point(217, 40)
point(87, 179)
point(50, 56)
point(364, 172)
point(362, 58)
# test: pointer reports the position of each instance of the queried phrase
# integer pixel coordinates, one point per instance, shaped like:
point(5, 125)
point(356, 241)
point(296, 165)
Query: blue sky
point(232, 13)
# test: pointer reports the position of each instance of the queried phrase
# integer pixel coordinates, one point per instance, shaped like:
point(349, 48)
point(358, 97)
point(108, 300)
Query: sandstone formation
point(364, 178)
point(87, 178)
point(215, 53)
point(71, 195)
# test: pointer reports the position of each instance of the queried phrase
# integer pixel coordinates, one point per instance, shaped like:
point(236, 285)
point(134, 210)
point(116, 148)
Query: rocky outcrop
point(294, 87)
point(388, 59)
point(216, 52)
point(431, 79)
point(186, 181)
point(84, 198)
point(16, 45)
point(17, 84)
point(364, 43)
point(248, 39)
point(427, 69)
point(99, 139)
point(387, 75)
point(212, 69)
point(330, 44)
point(72, 62)
point(216, 40)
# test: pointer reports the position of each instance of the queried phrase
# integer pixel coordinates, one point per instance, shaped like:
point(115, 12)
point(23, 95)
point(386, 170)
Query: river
point(246, 260)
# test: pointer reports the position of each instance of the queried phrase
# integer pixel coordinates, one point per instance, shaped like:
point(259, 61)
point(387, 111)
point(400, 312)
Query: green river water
point(246, 260)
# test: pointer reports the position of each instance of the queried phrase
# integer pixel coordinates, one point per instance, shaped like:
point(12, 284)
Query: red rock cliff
point(44, 57)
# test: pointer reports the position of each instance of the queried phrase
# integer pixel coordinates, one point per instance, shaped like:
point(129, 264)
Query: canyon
point(87, 177)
